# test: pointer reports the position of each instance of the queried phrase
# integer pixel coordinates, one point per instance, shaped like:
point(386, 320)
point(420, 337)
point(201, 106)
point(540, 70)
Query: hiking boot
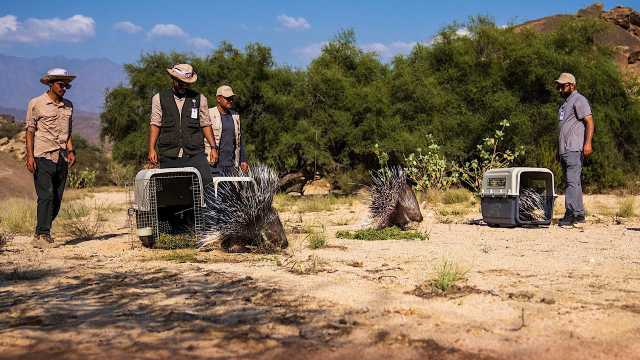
point(40, 241)
point(567, 221)
point(579, 219)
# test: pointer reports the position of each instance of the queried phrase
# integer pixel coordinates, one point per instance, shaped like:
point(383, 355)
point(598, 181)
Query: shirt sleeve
point(582, 108)
point(205, 120)
point(156, 111)
point(30, 120)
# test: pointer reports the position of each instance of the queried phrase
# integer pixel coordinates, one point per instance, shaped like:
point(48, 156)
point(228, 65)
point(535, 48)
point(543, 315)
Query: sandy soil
point(543, 293)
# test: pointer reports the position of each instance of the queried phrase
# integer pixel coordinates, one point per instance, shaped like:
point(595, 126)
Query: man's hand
point(31, 164)
point(244, 166)
point(71, 158)
point(153, 157)
point(213, 156)
point(587, 150)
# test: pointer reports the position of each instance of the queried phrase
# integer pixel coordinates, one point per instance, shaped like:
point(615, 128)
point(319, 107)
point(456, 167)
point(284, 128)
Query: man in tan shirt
point(179, 124)
point(49, 149)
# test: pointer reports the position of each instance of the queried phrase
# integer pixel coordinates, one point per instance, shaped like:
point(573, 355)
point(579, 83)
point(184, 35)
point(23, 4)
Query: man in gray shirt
point(576, 133)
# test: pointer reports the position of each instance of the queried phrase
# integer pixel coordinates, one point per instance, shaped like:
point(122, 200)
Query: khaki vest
point(216, 124)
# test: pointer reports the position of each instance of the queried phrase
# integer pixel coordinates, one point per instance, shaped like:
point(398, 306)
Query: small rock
point(317, 187)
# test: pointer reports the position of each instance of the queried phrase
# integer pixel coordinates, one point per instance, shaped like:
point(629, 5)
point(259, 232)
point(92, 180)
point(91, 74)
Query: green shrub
point(81, 179)
point(317, 238)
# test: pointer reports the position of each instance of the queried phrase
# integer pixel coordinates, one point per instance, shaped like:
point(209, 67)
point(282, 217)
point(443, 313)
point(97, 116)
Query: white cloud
point(310, 51)
point(127, 26)
point(389, 50)
point(289, 22)
point(201, 43)
point(74, 29)
point(167, 30)
point(8, 24)
point(463, 32)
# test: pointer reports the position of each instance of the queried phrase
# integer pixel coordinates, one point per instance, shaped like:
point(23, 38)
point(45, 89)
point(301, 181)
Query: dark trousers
point(218, 171)
point(50, 179)
point(198, 161)
point(572, 167)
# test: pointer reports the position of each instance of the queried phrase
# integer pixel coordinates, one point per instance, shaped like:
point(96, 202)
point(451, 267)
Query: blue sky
point(295, 30)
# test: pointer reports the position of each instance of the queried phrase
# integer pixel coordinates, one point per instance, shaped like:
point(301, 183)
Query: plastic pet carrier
point(517, 196)
point(168, 201)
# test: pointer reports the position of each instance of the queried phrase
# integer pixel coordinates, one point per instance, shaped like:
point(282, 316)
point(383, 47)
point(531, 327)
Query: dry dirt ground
point(541, 293)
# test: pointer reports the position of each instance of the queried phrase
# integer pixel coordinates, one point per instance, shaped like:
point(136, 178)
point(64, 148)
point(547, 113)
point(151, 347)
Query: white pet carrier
point(502, 196)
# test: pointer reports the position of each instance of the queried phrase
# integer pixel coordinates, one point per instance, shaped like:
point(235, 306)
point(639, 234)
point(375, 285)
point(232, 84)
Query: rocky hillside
point(622, 31)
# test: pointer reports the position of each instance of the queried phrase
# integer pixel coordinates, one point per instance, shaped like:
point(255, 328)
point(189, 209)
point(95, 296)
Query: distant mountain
point(622, 32)
point(21, 80)
point(85, 124)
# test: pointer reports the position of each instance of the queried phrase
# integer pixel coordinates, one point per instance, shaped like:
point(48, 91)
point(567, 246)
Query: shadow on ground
point(166, 314)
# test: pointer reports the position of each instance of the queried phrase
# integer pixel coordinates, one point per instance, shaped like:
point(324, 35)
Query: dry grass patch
point(5, 237)
point(626, 208)
point(18, 216)
point(305, 204)
point(176, 241)
point(309, 266)
point(180, 256)
point(81, 221)
point(456, 196)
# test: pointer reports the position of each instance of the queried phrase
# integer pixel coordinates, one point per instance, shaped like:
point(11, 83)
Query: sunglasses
point(229, 99)
point(63, 84)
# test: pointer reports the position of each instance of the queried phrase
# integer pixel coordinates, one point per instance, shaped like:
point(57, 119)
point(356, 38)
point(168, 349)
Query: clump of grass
point(176, 241)
point(317, 238)
point(447, 275)
point(390, 233)
point(83, 222)
point(626, 208)
point(312, 265)
point(180, 256)
point(18, 216)
point(456, 196)
point(74, 210)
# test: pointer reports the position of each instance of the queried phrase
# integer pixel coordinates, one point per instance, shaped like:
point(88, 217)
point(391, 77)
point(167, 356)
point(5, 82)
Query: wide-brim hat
point(183, 72)
point(57, 74)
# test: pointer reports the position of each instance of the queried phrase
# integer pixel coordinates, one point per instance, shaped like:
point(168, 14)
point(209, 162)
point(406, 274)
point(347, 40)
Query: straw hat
point(183, 72)
point(55, 75)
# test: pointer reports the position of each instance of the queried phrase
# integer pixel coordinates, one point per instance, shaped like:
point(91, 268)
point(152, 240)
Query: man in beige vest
point(227, 134)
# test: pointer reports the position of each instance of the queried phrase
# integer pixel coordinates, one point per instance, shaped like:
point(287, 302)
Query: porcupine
point(241, 215)
point(532, 205)
point(393, 202)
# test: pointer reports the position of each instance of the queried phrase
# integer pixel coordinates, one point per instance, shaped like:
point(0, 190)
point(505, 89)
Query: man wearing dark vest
point(227, 133)
point(179, 124)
